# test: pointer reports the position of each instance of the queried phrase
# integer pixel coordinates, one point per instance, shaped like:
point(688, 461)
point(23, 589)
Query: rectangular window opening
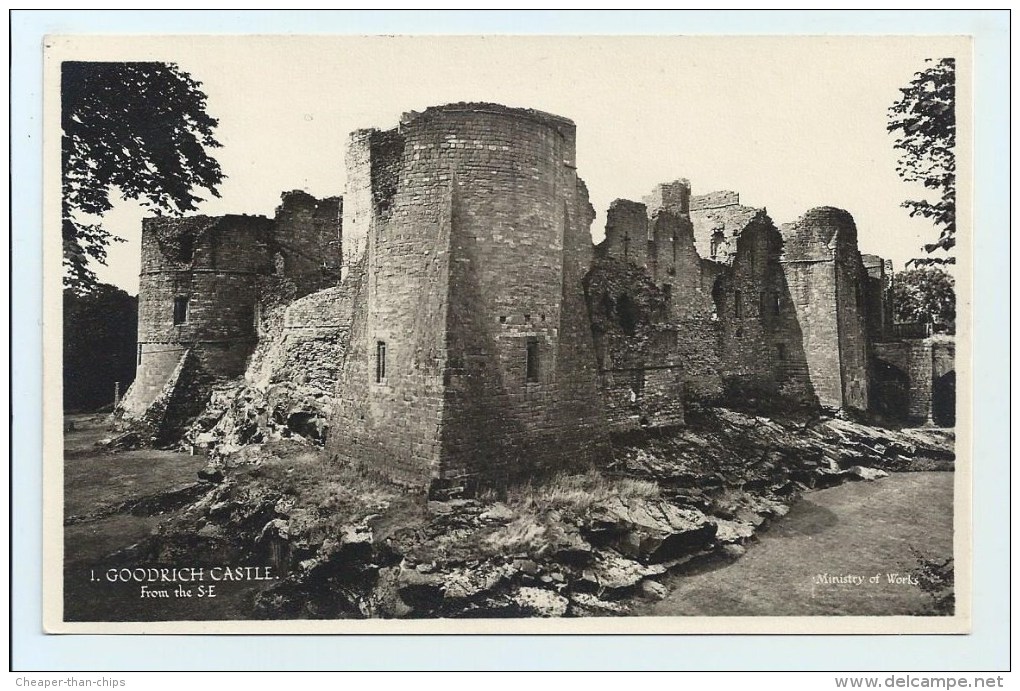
point(531, 368)
point(380, 362)
point(139, 353)
point(180, 310)
point(187, 245)
point(777, 303)
point(737, 306)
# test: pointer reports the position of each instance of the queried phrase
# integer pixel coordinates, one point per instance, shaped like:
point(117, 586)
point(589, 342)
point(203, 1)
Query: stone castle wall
point(468, 332)
point(213, 264)
point(626, 232)
point(761, 355)
point(389, 421)
point(825, 276)
point(688, 281)
point(907, 377)
point(206, 283)
point(641, 379)
point(307, 238)
point(674, 196)
point(718, 219)
point(760, 315)
point(474, 266)
point(877, 296)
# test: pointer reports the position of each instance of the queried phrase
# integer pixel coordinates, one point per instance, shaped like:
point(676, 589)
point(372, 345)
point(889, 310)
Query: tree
point(100, 332)
point(925, 120)
point(140, 128)
point(925, 294)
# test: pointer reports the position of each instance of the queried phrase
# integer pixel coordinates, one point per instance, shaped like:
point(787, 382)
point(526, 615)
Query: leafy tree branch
point(924, 121)
point(140, 128)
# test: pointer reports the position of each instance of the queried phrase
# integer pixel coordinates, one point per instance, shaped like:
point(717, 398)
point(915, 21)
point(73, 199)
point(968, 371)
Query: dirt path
point(857, 529)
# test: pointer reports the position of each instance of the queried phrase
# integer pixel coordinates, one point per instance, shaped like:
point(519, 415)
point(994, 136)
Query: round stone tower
point(473, 360)
point(197, 294)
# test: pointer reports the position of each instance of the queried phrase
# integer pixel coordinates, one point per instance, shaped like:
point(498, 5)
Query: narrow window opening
point(777, 303)
point(502, 319)
point(531, 369)
point(380, 362)
point(763, 298)
point(628, 314)
point(717, 241)
point(737, 306)
point(187, 245)
point(180, 310)
point(139, 353)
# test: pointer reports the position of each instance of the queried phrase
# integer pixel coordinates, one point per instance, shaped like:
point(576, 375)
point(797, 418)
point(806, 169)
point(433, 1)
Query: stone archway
point(890, 394)
point(943, 400)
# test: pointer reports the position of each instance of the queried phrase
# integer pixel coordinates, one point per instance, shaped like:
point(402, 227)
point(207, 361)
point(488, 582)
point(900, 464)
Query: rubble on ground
point(668, 502)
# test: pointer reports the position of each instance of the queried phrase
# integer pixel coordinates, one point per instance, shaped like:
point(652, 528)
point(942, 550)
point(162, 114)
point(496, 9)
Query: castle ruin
point(467, 331)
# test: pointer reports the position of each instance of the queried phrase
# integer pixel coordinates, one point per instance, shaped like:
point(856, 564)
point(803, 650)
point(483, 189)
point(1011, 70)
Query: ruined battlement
point(489, 109)
point(715, 200)
point(674, 196)
point(204, 280)
point(818, 234)
point(718, 219)
point(466, 330)
point(626, 232)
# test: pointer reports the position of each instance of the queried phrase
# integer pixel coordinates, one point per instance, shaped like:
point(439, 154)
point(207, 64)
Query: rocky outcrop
point(650, 531)
point(588, 545)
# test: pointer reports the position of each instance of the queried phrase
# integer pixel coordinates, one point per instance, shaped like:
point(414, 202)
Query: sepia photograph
point(536, 334)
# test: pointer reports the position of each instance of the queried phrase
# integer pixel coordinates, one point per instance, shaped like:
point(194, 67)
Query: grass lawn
point(95, 478)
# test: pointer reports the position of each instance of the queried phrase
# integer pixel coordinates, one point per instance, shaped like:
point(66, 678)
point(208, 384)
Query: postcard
point(507, 334)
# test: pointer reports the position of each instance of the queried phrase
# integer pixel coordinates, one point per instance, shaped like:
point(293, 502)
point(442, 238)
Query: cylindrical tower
point(474, 359)
point(197, 292)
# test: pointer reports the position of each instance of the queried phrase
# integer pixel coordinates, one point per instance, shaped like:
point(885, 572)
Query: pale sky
point(789, 123)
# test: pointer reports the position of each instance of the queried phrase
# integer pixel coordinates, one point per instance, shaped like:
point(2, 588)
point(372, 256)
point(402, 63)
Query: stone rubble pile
point(239, 415)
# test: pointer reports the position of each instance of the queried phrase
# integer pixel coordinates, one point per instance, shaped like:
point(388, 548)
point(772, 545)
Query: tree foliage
point(139, 128)
point(100, 331)
point(924, 121)
point(925, 294)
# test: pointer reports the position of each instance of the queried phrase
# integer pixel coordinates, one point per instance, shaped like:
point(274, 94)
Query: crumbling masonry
point(468, 332)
